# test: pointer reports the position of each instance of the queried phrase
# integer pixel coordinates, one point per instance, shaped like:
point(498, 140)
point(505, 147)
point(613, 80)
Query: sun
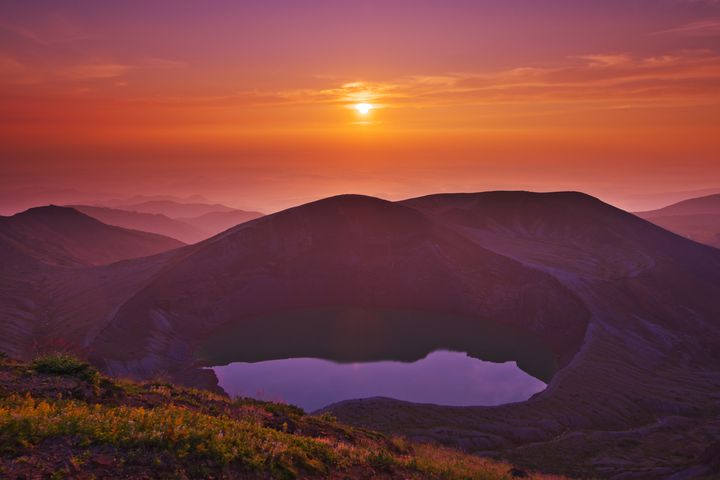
point(363, 108)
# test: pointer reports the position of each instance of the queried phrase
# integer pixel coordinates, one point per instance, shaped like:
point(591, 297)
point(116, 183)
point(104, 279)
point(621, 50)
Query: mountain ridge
point(697, 219)
point(80, 235)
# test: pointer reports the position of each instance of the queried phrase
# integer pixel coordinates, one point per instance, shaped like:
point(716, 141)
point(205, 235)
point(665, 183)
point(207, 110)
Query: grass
point(61, 364)
point(200, 434)
point(25, 421)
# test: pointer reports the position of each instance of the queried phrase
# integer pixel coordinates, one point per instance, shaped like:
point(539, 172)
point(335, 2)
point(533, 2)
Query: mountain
point(147, 222)
point(697, 219)
point(709, 204)
point(646, 368)
point(64, 236)
point(628, 310)
point(188, 230)
point(635, 201)
point(119, 202)
point(17, 198)
point(342, 251)
point(215, 222)
point(175, 209)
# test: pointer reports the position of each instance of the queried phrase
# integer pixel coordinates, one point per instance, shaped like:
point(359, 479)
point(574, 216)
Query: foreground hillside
point(60, 419)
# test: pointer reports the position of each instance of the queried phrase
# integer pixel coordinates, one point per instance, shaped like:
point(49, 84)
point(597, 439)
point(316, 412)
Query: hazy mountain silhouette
point(638, 201)
point(215, 222)
point(147, 222)
point(119, 202)
point(709, 204)
point(697, 219)
point(64, 236)
point(175, 209)
point(188, 230)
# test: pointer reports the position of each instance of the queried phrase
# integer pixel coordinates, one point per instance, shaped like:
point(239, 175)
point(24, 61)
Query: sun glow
point(363, 108)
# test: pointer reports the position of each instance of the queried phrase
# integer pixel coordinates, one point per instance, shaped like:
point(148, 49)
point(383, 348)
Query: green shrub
point(61, 364)
point(381, 460)
point(277, 409)
point(327, 417)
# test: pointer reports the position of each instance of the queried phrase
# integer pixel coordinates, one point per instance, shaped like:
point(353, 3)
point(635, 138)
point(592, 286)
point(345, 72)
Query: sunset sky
point(251, 103)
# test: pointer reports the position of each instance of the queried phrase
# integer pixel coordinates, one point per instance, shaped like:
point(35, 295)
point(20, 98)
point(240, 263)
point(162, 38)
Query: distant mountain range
point(175, 209)
point(187, 222)
point(65, 237)
point(629, 311)
point(697, 219)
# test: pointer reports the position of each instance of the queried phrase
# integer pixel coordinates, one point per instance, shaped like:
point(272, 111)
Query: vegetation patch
point(61, 364)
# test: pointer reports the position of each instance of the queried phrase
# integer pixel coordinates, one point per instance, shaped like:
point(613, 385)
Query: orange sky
point(249, 103)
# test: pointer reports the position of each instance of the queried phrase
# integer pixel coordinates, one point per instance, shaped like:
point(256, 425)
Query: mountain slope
point(341, 251)
point(697, 219)
point(146, 222)
point(51, 293)
point(64, 236)
point(647, 371)
point(709, 204)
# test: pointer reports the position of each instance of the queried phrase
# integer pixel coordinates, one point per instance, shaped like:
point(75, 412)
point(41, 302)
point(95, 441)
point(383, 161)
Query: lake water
point(319, 356)
point(442, 377)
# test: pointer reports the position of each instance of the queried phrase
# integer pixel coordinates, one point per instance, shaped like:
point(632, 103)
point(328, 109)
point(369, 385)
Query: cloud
point(596, 78)
point(94, 71)
point(702, 28)
point(600, 80)
point(13, 71)
point(701, 2)
point(56, 29)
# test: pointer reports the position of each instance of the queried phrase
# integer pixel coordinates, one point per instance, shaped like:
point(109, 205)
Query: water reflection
point(443, 378)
